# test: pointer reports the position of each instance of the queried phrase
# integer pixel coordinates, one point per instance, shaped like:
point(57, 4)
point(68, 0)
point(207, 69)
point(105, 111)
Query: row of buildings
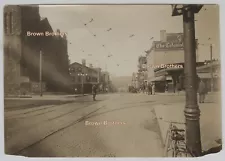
point(84, 77)
point(163, 65)
point(22, 53)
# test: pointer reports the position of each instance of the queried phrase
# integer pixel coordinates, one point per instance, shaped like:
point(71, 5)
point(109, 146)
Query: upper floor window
point(5, 23)
point(71, 70)
point(79, 79)
point(79, 69)
point(8, 23)
point(11, 23)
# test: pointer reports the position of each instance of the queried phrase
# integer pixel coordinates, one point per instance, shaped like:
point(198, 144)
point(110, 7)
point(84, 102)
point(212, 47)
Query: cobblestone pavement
point(116, 125)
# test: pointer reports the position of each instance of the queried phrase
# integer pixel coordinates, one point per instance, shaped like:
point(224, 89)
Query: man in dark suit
point(94, 92)
point(202, 91)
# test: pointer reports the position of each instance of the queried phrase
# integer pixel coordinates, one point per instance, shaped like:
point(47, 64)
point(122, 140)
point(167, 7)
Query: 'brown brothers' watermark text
point(164, 66)
point(46, 33)
point(104, 123)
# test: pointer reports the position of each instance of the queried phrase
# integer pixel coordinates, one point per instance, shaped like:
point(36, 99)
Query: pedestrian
point(149, 89)
point(94, 92)
point(166, 87)
point(153, 88)
point(178, 87)
point(75, 90)
point(202, 91)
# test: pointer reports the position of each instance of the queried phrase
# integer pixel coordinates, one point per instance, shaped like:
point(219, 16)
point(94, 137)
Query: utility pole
point(82, 80)
point(211, 68)
point(191, 112)
point(82, 83)
point(40, 76)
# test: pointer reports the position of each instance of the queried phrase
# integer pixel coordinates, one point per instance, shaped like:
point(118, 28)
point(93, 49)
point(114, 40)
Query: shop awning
point(158, 79)
point(204, 75)
point(168, 77)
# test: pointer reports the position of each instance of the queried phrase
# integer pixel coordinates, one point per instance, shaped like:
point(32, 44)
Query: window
point(79, 79)
point(88, 78)
point(10, 22)
point(79, 69)
point(23, 68)
point(5, 23)
point(72, 70)
point(6, 51)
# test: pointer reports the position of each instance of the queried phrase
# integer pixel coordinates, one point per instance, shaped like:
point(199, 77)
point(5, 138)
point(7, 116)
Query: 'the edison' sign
point(169, 45)
point(174, 41)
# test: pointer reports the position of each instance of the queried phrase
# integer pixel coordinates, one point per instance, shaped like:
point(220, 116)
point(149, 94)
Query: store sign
point(175, 44)
point(169, 45)
point(173, 41)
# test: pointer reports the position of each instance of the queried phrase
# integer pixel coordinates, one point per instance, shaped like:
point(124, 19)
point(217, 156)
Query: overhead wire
point(94, 35)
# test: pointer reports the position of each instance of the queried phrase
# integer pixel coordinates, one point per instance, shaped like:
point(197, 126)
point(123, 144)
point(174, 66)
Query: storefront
point(204, 72)
point(166, 58)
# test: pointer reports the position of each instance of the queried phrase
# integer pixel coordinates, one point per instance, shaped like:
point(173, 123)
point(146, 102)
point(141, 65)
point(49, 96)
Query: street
point(116, 125)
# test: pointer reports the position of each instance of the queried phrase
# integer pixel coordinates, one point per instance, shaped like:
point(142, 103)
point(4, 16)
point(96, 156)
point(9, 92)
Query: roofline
point(83, 66)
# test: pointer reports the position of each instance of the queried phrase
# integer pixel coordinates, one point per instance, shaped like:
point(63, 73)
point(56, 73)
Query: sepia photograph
point(112, 80)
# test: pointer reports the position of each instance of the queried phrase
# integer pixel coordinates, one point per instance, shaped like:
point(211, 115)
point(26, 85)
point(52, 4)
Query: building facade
point(22, 52)
point(210, 73)
point(105, 81)
point(81, 75)
point(165, 60)
point(142, 72)
point(18, 19)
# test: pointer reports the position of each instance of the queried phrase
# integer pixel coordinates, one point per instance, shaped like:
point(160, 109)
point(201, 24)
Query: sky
point(132, 27)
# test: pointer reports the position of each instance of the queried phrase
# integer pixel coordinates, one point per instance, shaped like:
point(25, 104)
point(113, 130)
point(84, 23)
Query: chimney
point(83, 62)
point(163, 35)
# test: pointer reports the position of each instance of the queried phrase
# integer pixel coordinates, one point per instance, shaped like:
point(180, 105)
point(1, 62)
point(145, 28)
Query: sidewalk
point(36, 100)
point(46, 97)
point(210, 120)
point(181, 93)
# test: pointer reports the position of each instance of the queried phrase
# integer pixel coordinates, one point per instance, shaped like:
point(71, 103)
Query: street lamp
point(82, 81)
point(191, 112)
point(40, 74)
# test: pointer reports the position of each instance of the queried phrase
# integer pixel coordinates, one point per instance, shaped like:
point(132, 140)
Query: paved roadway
point(125, 126)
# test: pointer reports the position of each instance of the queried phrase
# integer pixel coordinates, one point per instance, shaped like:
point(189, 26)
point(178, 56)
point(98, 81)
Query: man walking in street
point(178, 87)
point(201, 91)
point(94, 91)
point(75, 90)
point(149, 89)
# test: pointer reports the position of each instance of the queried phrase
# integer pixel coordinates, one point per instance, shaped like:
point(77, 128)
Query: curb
point(160, 130)
point(205, 146)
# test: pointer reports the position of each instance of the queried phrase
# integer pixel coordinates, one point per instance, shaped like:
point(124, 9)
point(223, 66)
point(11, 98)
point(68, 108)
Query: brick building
point(54, 49)
point(18, 19)
point(80, 73)
point(22, 52)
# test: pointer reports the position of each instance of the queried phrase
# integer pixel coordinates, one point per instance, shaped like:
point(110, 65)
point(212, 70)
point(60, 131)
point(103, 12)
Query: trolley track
point(47, 120)
point(56, 131)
